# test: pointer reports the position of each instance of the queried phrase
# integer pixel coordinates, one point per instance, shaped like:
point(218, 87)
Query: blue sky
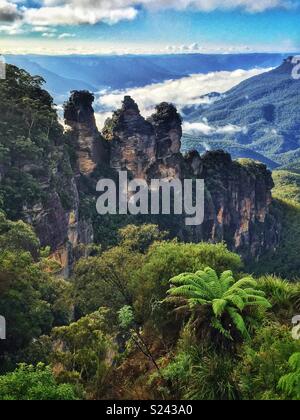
point(149, 25)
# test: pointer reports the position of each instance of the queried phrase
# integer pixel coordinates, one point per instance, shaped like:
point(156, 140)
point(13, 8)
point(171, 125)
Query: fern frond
point(243, 283)
point(236, 301)
point(238, 322)
point(211, 274)
point(227, 280)
point(219, 306)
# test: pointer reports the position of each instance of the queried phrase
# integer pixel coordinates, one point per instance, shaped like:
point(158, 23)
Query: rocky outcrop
point(237, 203)
point(48, 176)
point(56, 218)
point(167, 125)
point(79, 116)
point(238, 193)
point(132, 139)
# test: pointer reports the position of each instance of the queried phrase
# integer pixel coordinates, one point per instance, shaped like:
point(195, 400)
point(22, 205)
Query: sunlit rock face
point(238, 193)
point(132, 139)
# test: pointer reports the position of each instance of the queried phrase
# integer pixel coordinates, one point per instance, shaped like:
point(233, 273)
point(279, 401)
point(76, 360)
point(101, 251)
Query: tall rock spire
point(167, 124)
point(132, 139)
point(79, 115)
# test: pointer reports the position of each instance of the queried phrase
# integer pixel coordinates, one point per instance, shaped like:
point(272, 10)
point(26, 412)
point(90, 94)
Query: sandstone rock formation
point(79, 116)
point(132, 139)
point(238, 193)
point(48, 177)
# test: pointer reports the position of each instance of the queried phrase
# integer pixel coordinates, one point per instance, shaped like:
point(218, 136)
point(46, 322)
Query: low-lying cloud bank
point(188, 91)
point(203, 128)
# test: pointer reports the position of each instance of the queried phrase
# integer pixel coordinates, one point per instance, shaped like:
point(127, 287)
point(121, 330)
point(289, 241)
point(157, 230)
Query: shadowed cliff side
point(37, 178)
point(90, 146)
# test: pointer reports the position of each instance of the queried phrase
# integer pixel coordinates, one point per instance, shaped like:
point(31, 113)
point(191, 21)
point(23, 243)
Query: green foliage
point(126, 317)
point(168, 259)
point(286, 209)
point(264, 361)
point(290, 383)
point(139, 238)
point(84, 351)
point(199, 372)
point(283, 295)
point(105, 280)
point(222, 298)
point(17, 236)
point(284, 262)
point(34, 383)
point(211, 377)
point(31, 300)
point(29, 132)
point(287, 185)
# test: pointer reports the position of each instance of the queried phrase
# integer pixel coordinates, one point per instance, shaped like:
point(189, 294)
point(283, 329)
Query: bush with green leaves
point(290, 383)
point(264, 361)
point(38, 383)
point(105, 280)
point(283, 295)
point(140, 238)
point(84, 352)
point(31, 300)
point(197, 371)
point(171, 258)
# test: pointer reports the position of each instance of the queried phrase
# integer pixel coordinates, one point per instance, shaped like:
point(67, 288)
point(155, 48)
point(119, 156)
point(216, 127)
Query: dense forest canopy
point(142, 316)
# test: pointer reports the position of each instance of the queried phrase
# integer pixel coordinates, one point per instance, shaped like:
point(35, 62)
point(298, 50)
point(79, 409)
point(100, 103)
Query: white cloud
point(208, 130)
point(8, 11)
point(48, 35)
point(69, 14)
point(192, 48)
point(183, 92)
point(252, 6)
point(76, 12)
point(66, 35)
point(12, 29)
point(42, 29)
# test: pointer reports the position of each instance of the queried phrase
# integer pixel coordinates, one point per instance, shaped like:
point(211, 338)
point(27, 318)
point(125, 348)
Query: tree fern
point(225, 297)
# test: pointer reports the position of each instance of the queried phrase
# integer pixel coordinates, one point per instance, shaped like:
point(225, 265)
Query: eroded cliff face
point(55, 217)
point(132, 139)
point(238, 193)
point(90, 147)
point(39, 183)
point(237, 204)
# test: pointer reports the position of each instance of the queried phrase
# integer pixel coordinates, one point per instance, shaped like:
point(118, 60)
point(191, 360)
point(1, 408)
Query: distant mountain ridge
point(266, 108)
point(95, 73)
